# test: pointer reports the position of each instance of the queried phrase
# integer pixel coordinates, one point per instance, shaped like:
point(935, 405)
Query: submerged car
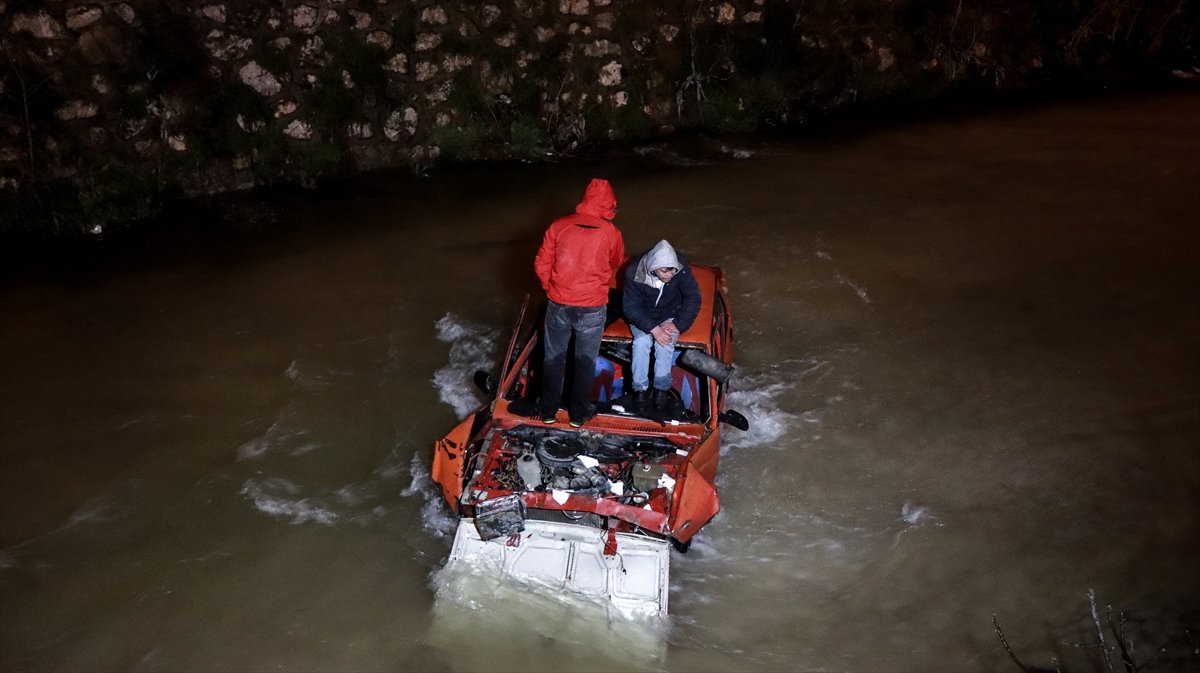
point(594, 510)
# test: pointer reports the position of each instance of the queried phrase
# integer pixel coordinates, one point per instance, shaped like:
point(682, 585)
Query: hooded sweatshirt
point(581, 252)
point(648, 301)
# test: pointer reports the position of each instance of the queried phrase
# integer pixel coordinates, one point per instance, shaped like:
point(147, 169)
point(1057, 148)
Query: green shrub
point(460, 143)
point(60, 209)
point(528, 139)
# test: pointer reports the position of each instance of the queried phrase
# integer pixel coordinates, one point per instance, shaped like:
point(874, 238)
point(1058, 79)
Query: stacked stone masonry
point(214, 96)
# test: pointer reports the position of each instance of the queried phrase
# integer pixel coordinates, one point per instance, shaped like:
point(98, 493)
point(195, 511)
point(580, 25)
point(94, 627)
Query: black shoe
point(641, 402)
point(578, 421)
point(547, 417)
point(661, 399)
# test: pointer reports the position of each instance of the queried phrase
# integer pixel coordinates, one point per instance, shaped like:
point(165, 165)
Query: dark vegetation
point(1120, 642)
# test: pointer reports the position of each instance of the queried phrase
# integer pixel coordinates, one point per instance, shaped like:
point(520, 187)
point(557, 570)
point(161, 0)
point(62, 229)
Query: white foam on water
point(472, 347)
point(436, 516)
point(842, 280)
point(100, 508)
point(762, 396)
point(758, 400)
point(914, 514)
point(277, 497)
point(283, 435)
point(364, 502)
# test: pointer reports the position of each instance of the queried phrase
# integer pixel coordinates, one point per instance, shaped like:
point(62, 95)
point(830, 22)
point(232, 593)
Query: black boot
point(661, 399)
point(641, 402)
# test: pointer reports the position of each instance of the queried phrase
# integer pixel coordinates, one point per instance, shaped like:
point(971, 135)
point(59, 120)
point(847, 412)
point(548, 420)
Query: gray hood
point(662, 254)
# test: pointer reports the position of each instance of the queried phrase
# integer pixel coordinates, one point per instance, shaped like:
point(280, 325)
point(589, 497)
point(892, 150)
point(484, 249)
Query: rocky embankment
point(110, 108)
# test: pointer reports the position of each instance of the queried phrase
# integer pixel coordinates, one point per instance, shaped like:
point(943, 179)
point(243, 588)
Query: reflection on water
point(967, 349)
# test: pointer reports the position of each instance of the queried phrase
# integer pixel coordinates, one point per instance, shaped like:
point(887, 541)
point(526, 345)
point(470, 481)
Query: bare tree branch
point(1011, 655)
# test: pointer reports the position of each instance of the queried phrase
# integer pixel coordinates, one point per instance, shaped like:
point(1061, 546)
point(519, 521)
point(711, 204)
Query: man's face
point(665, 273)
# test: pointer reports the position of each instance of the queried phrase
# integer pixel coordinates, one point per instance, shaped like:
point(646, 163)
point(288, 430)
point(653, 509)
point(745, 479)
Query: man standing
point(661, 300)
point(579, 255)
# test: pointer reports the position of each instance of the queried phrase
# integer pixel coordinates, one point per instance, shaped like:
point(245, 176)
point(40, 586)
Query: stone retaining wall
point(109, 107)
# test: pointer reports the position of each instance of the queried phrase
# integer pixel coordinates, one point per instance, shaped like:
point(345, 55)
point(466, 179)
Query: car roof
point(700, 333)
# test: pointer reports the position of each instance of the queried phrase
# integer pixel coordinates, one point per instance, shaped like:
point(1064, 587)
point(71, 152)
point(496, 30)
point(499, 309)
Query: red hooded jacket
point(581, 252)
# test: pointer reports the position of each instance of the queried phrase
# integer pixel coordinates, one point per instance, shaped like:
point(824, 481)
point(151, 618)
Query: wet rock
point(456, 62)
point(77, 109)
point(126, 13)
point(313, 51)
point(574, 7)
point(886, 58)
point(398, 64)
point(213, 13)
point(597, 48)
point(428, 41)
point(79, 18)
point(226, 47)
point(39, 24)
point(250, 126)
point(362, 20)
point(434, 16)
point(425, 71)
point(103, 44)
point(258, 78)
point(610, 74)
point(382, 38)
point(305, 18)
point(133, 127)
point(285, 108)
point(298, 129)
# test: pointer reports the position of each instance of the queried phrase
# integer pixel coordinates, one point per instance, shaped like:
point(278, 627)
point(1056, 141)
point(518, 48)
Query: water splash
point(758, 400)
point(842, 280)
point(276, 497)
point(436, 517)
point(914, 514)
point(282, 435)
point(472, 347)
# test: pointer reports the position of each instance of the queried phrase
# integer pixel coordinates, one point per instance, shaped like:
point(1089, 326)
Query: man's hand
point(665, 332)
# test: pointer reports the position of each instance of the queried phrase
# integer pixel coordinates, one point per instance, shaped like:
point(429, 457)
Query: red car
point(594, 509)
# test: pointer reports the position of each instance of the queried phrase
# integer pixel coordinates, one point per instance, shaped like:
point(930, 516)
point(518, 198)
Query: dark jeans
point(587, 322)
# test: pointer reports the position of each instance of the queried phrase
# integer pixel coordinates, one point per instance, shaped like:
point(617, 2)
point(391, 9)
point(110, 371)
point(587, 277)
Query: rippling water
point(968, 349)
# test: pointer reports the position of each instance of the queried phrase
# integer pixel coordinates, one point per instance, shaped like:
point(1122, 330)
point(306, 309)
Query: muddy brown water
point(969, 349)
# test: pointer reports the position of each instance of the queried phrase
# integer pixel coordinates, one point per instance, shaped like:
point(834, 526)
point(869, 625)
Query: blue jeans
point(587, 323)
point(642, 344)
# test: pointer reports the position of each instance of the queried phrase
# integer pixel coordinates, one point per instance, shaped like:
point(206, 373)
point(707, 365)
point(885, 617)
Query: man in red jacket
point(579, 255)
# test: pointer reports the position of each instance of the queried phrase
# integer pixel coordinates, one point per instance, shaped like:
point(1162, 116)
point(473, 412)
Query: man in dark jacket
point(575, 264)
point(661, 300)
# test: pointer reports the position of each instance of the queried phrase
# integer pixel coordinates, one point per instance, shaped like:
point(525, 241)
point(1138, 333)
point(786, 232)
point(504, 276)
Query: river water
point(968, 347)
